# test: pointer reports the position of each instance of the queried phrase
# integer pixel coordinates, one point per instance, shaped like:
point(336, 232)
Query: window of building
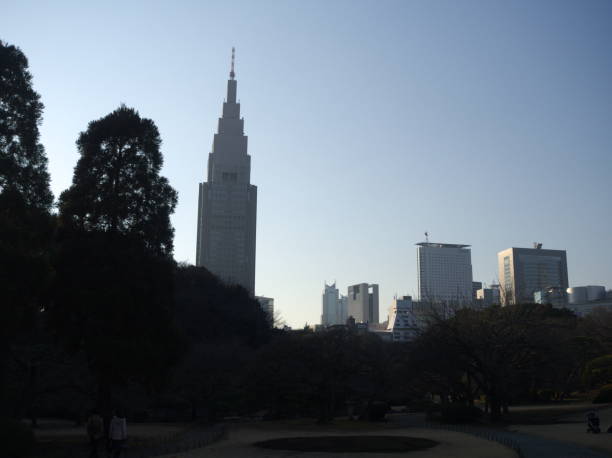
point(230, 176)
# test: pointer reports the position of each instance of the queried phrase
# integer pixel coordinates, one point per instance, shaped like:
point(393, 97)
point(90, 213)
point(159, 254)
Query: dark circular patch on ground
point(348, 444)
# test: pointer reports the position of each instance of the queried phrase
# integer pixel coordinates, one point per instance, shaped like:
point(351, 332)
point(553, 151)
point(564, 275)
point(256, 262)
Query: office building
point(227, 205)
point(553, 295)
point(523, 271)
point(487, 297)
point(267, 305)
point(334, 306)
point(584, 294)
point(402, 322)
point(444, 273)
point(476, 285)
point(363, 303)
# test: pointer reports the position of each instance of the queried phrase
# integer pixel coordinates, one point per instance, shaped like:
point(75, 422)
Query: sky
point(484, 122)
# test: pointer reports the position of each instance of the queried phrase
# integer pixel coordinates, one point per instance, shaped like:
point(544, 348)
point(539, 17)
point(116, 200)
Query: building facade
point(402, 322)
point(523, 271)
point(555, 296)
point(363, 303)
point(334, 306)
point(476, 285)
point(267, 305)
point(584, 294)
point(227, 204)
point(444, 273)
point(487, 297)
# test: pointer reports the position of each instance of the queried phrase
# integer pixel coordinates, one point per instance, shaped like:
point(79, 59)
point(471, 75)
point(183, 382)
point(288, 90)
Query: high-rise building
point(402, 322)
point(227, 205)
point(444, 273)
point(267, 305)
point(553, 295)
point(363, 303)
point(523, 271)
point(334, 306)
point(476, 285)
point(487, 297)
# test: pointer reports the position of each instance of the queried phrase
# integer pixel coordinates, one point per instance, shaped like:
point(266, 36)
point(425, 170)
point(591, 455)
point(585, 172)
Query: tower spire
point(232, 73)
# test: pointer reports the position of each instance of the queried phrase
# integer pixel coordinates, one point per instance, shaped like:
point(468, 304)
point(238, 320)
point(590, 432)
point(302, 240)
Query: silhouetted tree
point(113, 295)
point(25, 201)
point(221, 325)
point(116, 188)
point(503, 350)
point(23, 164)
point(316, 373)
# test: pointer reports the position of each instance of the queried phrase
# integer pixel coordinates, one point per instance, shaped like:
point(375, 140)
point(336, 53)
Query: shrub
point(604, 395)
point(16, 438)
point(460, 413)
point(377, 411)
point(423, 405)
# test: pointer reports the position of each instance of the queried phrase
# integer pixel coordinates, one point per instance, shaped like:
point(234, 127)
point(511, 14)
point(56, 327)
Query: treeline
point(96, 313)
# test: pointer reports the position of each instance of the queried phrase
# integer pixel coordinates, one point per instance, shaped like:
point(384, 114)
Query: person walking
point(117, 433)
point(95, 431)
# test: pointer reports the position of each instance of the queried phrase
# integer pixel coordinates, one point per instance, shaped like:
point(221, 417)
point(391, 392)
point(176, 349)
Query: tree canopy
point(23, 164)
point(116, 188)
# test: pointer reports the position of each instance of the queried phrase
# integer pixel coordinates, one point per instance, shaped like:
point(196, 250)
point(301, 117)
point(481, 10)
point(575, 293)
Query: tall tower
point(227, 204)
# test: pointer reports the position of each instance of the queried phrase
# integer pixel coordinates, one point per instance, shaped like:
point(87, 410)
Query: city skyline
point(428, 122)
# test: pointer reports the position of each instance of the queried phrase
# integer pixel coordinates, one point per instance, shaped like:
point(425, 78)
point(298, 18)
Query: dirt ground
point(452, 445)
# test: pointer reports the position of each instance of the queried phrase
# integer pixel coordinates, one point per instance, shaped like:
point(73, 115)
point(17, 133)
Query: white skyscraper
point(334, 306)
point(227, 206)
point(444, 273)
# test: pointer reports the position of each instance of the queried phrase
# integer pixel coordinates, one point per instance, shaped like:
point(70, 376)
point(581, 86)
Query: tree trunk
point(4, 356)
point(104, 401)
point(469, 390)
point(194, 410)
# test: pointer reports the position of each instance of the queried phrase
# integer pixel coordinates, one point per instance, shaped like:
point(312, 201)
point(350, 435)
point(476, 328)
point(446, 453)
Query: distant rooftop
point(442, 245)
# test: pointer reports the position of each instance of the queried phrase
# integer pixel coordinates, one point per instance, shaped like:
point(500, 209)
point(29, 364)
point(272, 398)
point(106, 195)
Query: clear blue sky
point(485, 122)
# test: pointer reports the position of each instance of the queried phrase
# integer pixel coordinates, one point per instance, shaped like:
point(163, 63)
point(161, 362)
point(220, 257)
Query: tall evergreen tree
point(116, 187)
point(114, 266)
point(25, 201)
point(23, 164)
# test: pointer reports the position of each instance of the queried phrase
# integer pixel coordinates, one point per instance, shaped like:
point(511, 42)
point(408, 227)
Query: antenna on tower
point(426, 237)
point(232, 73)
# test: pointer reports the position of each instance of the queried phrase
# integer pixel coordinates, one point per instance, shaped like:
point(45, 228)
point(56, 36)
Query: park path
point(526, 445)
point(539, 447)
point(196, 437)
point(242, 437)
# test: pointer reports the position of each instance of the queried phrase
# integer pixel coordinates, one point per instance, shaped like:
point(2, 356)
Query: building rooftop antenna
point(426, 237)
point(232, 73)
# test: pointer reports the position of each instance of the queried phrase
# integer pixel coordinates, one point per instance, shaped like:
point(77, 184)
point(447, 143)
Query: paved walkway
point(539, 447)
point(240, 440)
point(527, 445)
